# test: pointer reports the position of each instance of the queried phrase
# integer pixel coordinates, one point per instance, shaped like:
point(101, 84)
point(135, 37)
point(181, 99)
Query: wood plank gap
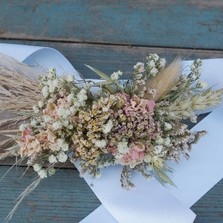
point(110, 44)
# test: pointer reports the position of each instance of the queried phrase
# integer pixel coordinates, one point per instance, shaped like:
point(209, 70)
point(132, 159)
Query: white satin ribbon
point(149, 202)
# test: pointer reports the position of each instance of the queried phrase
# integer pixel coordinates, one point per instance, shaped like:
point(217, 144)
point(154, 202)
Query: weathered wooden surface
point(109, 58)
point(110, 35)
point(66, 198)
point(170, 23)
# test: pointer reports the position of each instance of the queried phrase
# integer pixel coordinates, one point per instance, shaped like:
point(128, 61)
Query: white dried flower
point(69, 78)
point(123, 147)
point(22, 127)
point(52, 159)
point(158, 149)
point(37, 167)
point(82, 96)
point(45, 91)
point(153, 71)
point(51, 171)
point(70, 97)
point(147, 158)
point(154, 56)
point(151, 64)
point(57, 125)
point(162, 62)
point(193, 119)
point(139, 67)
point(42, 173)
point(106, 128)
point(116, 75)
point(35, 109)
point(167, 126)
point(47, 118)
point(100, 143)
point(53, 84)
point(62, 112)
point(62, 144)
point(62, 157)
point(160, 141)
point(73, 110)
point(167, 141)
point(33, 123)
point(40, 104)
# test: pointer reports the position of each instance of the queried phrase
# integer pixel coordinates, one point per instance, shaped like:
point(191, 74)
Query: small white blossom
point(53, 84)
point(40, 104)
point(116, 75)
point(62, 144)
point(47, 118)
point(62, 157)
point(51, 171)
point(158, 149)
point(193, 119)
point(160, 141)
point(45, 91)
point(33, 123)
point(153, 56)
point(147, 158)
point(139, 67)
point(162, 62)
point(151, 64)
point(52, 159)
point(37, 167)
point(70, 97)
point(73, 110)
point(123, 147)
point(57, 125)
point(138, 76)
point(82, 96)
point(167, 141)
point(62, 112)
point(107, 127)
point(42, 173)
point(167, 126)
point(69, 78)
point(153, 71)
point(35, 109)
point(22, 127)
point(100, 143)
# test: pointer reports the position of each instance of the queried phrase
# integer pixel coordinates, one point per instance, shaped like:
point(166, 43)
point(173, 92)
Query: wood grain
point(66, 198)
point(112, 58)
point(170, 23)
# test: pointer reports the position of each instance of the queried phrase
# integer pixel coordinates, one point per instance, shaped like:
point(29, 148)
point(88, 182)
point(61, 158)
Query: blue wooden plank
point(66, 198)
point(170, 23)
point(63, 198)
point(112, 58)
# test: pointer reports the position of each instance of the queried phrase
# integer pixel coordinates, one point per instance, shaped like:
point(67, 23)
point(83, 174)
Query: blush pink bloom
point(138, 105)
point(137, 151)
point(51, 110)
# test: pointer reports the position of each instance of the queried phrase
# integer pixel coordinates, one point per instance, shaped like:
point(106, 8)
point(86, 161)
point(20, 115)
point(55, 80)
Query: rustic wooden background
point(110, 35)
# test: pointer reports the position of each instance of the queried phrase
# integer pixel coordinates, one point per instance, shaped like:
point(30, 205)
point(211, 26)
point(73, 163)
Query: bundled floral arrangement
point(135, 123)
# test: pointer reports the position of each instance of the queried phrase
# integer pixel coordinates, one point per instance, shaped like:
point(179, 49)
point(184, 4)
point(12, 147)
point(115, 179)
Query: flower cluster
point(135, 123)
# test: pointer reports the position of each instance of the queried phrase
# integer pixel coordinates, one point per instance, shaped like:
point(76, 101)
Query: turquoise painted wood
point(112, 58)
point(66, 198)
point(169, 23)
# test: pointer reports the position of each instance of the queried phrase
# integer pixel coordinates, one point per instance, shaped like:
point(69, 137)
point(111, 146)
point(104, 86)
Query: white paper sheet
point(148, 202)
point(100, 215)
point(39, 58)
